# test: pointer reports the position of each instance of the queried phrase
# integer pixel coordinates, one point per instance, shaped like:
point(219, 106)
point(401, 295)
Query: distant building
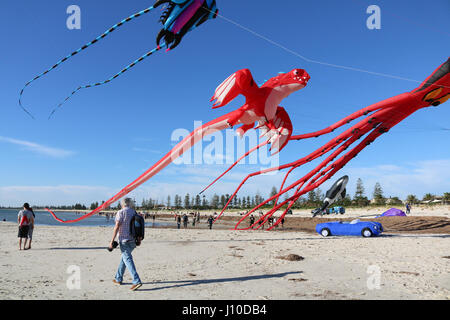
point(434, 201)
point(394, 200)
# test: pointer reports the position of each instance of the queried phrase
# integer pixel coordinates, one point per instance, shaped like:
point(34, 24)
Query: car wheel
point(325, 232)
point(366, 233)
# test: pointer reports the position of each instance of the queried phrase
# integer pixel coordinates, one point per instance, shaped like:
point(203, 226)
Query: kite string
point(386, 75)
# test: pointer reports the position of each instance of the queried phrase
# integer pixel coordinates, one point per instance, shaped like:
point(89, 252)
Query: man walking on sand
point(127, 243)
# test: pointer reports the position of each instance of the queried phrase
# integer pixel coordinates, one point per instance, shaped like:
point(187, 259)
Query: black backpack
point(137, 228)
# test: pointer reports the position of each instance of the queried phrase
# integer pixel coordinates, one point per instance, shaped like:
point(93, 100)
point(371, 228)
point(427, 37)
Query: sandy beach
point(204, 264)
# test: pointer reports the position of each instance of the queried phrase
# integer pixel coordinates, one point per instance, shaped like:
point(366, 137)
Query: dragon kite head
point(292, 81)
point(182, 16)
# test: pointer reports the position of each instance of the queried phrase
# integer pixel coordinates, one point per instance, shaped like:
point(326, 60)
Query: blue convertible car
point(354, 228)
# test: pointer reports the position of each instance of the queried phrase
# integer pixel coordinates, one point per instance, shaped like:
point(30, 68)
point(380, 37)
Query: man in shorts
point(25, 219)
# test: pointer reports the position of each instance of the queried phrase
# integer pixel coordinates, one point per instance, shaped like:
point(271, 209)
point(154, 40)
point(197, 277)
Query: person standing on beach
point(270, 220)
point(261, 220)
point(127, 243)
point(31, 229)
point(178, 218)
point(210, 222)
point(408, 208)
point(25, 219)
point(185, 220)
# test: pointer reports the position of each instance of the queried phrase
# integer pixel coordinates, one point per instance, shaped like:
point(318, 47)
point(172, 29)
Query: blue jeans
point(126, 262)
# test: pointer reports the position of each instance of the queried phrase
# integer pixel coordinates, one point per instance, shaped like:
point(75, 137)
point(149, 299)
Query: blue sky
point(105, 137)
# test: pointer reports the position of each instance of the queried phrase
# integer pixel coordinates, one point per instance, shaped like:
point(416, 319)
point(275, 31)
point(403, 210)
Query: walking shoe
point(117, 282)
point(136, 286)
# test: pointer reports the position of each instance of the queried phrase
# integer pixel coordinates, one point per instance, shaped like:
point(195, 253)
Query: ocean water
point(44, 218)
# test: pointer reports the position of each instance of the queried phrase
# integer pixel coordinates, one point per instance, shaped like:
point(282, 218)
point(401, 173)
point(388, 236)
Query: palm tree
point(446, 197)
point(412, 199)
point(428, 197)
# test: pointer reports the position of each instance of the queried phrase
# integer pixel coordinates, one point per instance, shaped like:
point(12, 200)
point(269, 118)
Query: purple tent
point(393, 212)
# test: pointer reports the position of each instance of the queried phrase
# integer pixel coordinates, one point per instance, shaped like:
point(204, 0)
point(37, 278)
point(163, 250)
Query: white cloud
point(135, 149)
point(431, 176)
point(186, 179)
point(217, 158)
point(37, 148)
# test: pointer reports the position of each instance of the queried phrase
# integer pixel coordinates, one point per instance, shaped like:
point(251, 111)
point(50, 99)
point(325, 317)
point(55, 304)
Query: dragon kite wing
point(240, 82)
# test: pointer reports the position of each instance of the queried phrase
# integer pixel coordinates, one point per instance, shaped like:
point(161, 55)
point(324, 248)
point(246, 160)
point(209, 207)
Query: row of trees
point(379, 199)
point(201, 202)
point(310, 200)
point(429, 197)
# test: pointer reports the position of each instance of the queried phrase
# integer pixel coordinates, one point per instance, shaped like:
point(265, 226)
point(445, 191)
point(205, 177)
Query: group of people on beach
point(270, 221)
point(184, 218)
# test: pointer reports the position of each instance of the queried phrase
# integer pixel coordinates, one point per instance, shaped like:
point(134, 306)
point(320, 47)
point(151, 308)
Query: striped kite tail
point(87, 45)
point(131, 65)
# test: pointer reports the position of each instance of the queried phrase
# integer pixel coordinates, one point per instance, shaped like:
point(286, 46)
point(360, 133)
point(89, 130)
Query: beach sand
point(202, 264)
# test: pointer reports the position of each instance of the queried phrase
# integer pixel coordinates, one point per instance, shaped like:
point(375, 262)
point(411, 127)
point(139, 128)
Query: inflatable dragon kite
point(261, 106)
point(178, 18)
point(378, 119)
